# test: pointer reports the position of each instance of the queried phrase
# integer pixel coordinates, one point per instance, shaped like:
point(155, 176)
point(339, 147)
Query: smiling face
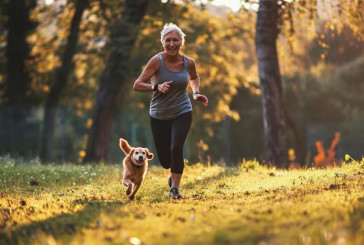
point(139, 156)
point(172, 43)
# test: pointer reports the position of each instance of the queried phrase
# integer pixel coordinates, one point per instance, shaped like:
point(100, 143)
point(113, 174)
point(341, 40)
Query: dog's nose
point(140, 158)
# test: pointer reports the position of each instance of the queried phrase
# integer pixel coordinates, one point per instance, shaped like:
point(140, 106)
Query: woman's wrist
point(196, 92)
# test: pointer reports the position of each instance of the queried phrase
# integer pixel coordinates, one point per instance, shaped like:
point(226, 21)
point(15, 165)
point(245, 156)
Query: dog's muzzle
point(139, 162)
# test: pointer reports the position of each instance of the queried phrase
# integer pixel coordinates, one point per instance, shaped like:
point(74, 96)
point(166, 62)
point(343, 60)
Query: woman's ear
point(150, 155)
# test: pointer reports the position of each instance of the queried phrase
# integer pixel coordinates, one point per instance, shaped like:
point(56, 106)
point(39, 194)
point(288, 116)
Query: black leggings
point(169, 138)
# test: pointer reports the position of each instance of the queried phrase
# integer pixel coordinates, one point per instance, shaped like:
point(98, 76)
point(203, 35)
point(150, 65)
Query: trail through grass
point(249, 204)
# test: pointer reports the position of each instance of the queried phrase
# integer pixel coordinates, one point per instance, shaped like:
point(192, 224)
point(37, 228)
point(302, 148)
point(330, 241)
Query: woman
point(170, 107)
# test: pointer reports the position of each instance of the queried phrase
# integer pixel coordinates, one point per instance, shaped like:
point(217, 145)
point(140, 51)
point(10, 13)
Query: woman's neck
point(172, 58)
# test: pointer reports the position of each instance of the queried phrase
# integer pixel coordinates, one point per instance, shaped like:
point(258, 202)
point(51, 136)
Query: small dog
point(135, 167)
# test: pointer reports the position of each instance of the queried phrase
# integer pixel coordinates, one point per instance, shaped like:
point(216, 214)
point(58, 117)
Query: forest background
point(56, 57)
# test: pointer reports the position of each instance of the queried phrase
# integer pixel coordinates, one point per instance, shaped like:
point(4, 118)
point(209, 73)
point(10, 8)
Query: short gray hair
point(172, 27)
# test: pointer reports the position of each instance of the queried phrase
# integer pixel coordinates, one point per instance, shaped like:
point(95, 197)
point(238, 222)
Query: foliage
point(251, 204)
point(215, 44)
point(223, 47)
point(348, 87)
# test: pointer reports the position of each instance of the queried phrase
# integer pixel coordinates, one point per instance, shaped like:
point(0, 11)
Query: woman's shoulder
point(155, 58)
point(154, 61)
point(191, 61)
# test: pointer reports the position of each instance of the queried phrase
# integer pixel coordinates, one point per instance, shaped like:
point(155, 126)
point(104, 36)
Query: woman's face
point(172, 43)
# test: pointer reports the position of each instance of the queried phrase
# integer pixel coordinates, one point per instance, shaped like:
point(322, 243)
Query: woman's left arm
point(195, 83)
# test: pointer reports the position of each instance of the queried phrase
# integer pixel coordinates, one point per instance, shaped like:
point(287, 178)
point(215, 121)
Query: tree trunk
point(271, 85)
point(17, 53)
point(62, 73)
point(112, 80)
point(298, 138)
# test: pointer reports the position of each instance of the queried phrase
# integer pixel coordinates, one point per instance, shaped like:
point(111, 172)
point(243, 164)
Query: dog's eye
point(143, 153)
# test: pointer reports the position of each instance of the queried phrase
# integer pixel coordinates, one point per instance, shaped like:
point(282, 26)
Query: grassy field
point(249, 204)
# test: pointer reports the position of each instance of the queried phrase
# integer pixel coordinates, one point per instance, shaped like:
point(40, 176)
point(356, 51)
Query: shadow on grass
point(62, 226)
point(228, 172)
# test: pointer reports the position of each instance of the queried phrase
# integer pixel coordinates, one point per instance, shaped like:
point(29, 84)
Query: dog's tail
point(125, 146)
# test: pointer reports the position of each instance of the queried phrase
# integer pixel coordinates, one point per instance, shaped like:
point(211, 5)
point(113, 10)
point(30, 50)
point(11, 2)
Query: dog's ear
point(132, 150)
point(124, 146)
point(150, 155)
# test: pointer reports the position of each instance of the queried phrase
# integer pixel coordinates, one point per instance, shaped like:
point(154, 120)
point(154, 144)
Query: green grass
point(249, 204)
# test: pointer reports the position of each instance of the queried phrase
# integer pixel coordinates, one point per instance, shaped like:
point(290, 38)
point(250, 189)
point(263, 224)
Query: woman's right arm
point(141, 84)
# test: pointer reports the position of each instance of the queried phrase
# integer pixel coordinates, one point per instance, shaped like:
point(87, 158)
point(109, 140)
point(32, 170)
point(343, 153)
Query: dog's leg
point(128, 184)
point(135, 189)
point(128, 190)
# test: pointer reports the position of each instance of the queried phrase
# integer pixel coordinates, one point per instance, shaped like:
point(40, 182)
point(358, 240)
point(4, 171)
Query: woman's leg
point(162, 135)
point(180, 128)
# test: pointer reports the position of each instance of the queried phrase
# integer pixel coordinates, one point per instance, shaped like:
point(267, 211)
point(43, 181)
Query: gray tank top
point(176, 101)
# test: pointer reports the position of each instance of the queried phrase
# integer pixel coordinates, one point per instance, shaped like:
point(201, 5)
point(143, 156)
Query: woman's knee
point(165, 161)
point(177, 149)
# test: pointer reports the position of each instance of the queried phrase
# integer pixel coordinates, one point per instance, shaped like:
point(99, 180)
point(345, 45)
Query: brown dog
point(135, 166)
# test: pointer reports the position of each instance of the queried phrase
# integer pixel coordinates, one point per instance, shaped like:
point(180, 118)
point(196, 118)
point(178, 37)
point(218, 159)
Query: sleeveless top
point(176, 101)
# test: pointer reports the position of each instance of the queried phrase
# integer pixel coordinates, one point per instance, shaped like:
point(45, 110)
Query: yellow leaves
point(213, 71)
point(32, 38)
point(347, 157)
point(89, 123)
point(79, 113)
point(88, 104)
point(63, 33)
point(202, 145)
point(291, 155)
point(234, 115)
point(332, 27)
point(82, 106)
point(92, 18)
point(207, 116)
point(201, 39)
point(46, 88)
point(80, 71)
point(82, 153)
point(95, 7)
point(158, 23)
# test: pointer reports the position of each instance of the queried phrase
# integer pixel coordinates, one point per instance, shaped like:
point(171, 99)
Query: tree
point(15, 94)
point(61, 78)
point(18, 26)
point(275, 129)
point(113, 78)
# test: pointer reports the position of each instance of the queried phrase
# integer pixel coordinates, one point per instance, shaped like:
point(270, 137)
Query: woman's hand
point(164, 87)
point(202, 98)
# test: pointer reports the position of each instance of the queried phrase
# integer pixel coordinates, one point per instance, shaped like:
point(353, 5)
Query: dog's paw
point(131, 197)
